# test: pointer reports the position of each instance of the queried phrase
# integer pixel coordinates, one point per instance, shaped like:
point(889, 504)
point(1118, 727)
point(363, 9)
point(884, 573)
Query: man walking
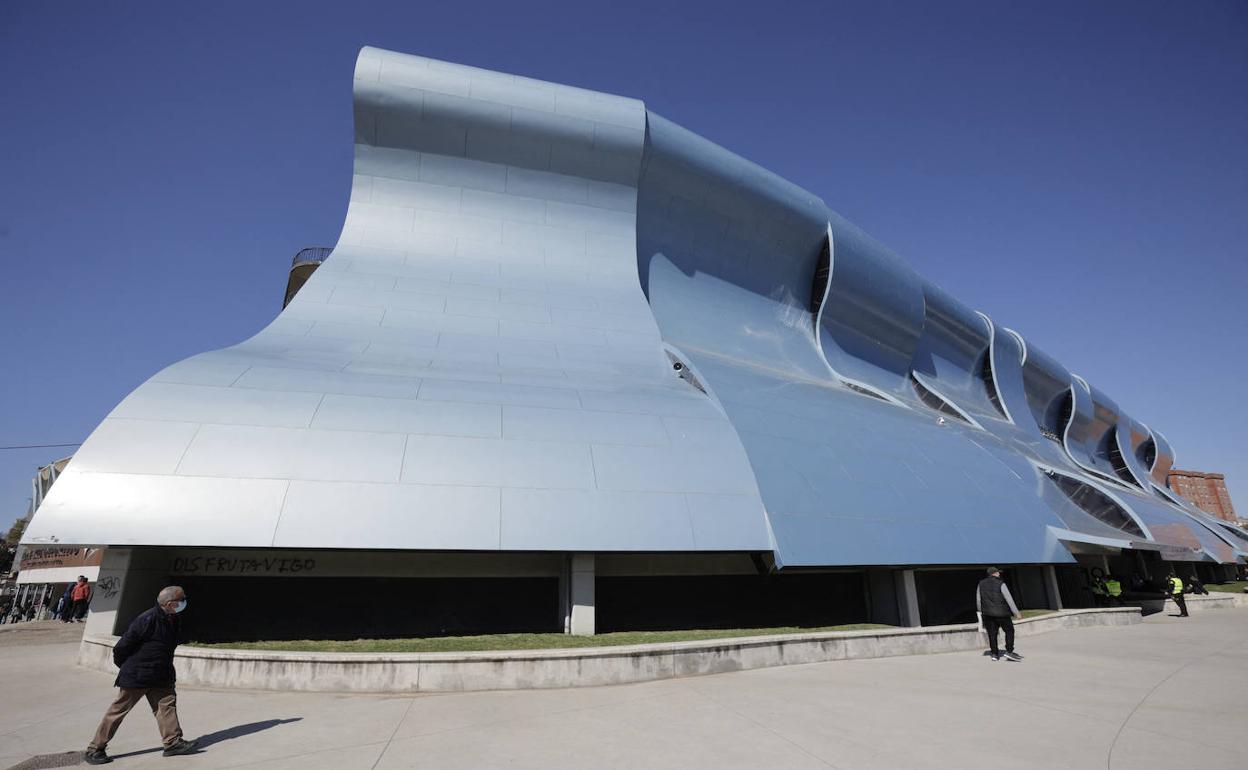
point(1176, 593)
point(995, 605)
point(81, 595)
point(145, 656)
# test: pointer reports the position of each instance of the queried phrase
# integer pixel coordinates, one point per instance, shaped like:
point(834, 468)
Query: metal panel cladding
point(557, 321)
point(474, 367)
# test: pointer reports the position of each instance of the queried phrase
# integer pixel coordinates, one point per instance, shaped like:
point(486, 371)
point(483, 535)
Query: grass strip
point(522, 641)
point(1236, 587)
point(1035, 613)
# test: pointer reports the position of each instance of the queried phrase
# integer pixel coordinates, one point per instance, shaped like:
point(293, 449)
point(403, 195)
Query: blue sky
point(1078, 171)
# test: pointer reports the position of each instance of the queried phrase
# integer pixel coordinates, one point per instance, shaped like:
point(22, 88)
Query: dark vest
point(991, 600)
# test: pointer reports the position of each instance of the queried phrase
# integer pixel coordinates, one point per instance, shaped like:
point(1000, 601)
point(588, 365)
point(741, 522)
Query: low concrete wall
point(529, 669)
point(1214, 601)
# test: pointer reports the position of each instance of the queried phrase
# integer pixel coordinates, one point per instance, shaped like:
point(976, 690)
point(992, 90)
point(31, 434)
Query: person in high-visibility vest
point(1113, 587)
point(1176, 593)
point(1100, 596)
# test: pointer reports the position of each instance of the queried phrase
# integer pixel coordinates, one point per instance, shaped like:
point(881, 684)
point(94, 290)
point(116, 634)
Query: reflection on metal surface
point(556, 321)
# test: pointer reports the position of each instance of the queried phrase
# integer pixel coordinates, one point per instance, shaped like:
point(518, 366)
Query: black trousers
point(1179, 600)
point(991, 624)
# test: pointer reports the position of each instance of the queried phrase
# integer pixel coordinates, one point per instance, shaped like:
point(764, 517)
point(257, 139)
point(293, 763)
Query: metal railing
point(313, 255)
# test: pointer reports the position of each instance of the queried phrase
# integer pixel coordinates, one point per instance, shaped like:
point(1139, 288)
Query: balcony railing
point(314, 255)
point(301, 267)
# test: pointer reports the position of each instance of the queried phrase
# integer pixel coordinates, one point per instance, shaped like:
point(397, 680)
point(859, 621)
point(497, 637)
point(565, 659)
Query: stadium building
point(571, 366)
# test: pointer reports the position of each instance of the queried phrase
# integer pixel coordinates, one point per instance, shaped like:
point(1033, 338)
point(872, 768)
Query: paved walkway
point(1170, 693)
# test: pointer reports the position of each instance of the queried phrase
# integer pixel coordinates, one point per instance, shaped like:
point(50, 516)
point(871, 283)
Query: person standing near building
point(1113, 589)
point(995, 605)
point(81, 595)
point(1100, 596)
point(145, 656)
point(67, 600)
point(1176, 593)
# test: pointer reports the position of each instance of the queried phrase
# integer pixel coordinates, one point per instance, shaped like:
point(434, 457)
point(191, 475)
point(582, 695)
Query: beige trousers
point(164, 703)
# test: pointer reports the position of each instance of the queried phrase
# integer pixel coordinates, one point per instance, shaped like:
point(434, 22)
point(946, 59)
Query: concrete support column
point(907, 598)
point(107, 592)
point(1052, 590)
point(581, 595)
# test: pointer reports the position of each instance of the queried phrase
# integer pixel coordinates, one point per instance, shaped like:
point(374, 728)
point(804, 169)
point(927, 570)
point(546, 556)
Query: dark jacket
point(145, 652)
point(991, 599)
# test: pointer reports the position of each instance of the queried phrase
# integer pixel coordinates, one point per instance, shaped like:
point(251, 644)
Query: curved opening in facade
point(1096, 504)
point(990, 384)
point(1146, 452)
point(862, 391)
point(1235, 532)
point(819, 282)
point(933, 401)
point(1057, 416)
point(302, 267)
point(1119, 464)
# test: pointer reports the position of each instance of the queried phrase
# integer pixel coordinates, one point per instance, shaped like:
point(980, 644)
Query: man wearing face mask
point(145, 656)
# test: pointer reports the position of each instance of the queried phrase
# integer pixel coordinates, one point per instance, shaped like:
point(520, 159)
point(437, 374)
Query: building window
point(990, 384)
point(1120, 465)
point(819, 284)
point(1096, 504)
point(933, 401)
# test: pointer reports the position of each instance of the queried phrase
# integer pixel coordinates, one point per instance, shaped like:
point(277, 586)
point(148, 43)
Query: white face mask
point(181, 606)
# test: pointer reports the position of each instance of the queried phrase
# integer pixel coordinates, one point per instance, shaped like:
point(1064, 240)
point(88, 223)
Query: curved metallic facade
point(556, 321)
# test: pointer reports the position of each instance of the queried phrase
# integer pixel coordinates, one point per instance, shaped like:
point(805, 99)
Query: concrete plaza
point(1165, 694)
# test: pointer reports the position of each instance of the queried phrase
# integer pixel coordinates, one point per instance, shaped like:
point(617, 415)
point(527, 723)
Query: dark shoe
point(181, 747)
point(994, 655)
point(96, 757)
point(1014, 656)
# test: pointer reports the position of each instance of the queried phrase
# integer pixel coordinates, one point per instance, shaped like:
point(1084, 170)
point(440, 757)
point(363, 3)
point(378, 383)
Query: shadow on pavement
point(229, 733)
point(241, 730)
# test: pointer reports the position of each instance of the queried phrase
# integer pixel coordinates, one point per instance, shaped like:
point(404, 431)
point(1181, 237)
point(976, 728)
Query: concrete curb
point(582, 667)
point(1215, 601)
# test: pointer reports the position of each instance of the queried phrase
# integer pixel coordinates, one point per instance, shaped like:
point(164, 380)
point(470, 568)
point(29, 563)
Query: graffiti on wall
point(108, 587)
point(225, 565)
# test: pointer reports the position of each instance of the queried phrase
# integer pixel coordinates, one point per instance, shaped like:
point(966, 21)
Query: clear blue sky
point(1077, 170)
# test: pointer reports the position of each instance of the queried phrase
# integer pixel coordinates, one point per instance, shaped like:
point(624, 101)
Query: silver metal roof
point(557, 321)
